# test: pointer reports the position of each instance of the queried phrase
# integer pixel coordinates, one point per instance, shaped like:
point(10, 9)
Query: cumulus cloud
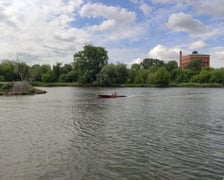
point(29, 28)
point(109, 12)
point(181, 22)
point(197, 45)
point(105, 25)
point(164, 53)
point(119, 24)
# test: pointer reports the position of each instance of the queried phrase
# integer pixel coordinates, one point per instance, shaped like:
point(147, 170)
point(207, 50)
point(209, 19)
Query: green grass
point(56, 84)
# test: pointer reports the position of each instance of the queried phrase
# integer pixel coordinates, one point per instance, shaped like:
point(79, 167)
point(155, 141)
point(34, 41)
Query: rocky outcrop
point(22, 87)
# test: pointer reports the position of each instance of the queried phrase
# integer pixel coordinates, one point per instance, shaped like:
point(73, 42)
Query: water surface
point(69, 133)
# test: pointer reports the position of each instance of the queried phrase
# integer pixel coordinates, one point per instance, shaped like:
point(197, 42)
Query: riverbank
point(75, 84)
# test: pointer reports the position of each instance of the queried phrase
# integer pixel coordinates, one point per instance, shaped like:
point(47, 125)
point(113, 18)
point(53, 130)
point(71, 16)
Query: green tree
point(35, 72)
point(23, 70)
point(57, 70)
point(49, 77)
point(88, 63)
point(184, 75)
point(171, 66)
point(107, 76)
point(8, 71)
point(217, 76)
point(141, 76)
point(66, 68)
point(161, 77)
point(45, 68)
point(135, 67)
point(121, 73)
point(152, 64)
point(194, 65)
point(203, 77)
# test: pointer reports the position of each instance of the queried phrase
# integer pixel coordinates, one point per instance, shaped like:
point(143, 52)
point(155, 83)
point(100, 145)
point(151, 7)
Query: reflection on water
point(69, 133)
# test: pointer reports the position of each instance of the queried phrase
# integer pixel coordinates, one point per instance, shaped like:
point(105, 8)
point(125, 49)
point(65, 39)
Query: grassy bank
point(57, 84)
point(75, 84)
point(198, 85)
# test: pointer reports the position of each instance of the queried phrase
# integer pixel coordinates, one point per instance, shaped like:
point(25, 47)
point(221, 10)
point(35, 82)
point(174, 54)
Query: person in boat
point(114, 93)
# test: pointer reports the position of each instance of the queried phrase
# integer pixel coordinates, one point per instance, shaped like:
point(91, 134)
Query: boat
point(113, 95)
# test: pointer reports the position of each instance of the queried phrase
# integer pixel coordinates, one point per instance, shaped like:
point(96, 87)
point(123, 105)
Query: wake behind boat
point(113, 95)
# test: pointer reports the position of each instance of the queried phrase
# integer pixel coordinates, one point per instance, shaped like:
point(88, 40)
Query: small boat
point(113, 95)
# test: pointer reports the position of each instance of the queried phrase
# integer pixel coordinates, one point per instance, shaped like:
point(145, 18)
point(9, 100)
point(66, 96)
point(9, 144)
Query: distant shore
point(75, 84)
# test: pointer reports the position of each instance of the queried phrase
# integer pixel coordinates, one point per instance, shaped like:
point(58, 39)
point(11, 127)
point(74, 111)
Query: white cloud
point(119, 24)
point(39, 30)
point(163, 53)
point(197, 45)
point(181, 22)
point(99, 10)
point(104, 26)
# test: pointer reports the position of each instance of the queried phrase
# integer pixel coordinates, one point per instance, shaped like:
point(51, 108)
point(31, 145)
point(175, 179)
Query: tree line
point(90, 66)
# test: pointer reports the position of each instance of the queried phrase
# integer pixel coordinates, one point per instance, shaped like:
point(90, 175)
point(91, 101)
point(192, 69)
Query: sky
point(51, 31)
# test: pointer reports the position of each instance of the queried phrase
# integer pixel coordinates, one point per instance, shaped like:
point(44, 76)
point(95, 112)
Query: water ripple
point(153, 134)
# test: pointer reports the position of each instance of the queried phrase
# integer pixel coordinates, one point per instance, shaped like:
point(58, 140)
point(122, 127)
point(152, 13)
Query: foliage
point(152, 64)
point(112, 74)
point(184, 75)
point(194, 65)
point(89, 62)
point(171, 66)
point(49, 77)
point(7, 70)
point(57, 70)
point(23, 70)
point(141, 76)
point(161, 77)
point(202, 77)
point(217, 76)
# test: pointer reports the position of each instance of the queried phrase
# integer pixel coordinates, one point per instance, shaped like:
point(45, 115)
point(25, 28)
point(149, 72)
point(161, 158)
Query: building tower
point(184, 60)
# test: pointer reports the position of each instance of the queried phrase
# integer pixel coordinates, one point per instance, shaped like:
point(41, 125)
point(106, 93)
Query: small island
point(19, 88)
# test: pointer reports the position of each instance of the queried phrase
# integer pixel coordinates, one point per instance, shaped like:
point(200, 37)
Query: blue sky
point(46, 32)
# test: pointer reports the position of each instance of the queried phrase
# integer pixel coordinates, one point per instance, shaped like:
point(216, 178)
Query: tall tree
point(162, 77)
point(88, 63)
point(152, 64)
point(23, 70)
point(7, 70)
point(57, 69)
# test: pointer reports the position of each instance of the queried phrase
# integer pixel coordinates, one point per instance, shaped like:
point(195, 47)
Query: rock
point(22, 87)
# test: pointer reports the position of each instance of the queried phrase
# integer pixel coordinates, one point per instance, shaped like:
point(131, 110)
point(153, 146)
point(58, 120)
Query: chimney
point(180, 59)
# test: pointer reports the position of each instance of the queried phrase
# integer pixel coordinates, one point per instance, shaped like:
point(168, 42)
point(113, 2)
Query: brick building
point(204, 58)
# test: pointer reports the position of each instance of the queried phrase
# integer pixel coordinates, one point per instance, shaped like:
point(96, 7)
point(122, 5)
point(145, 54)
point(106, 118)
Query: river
point(153, 133)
